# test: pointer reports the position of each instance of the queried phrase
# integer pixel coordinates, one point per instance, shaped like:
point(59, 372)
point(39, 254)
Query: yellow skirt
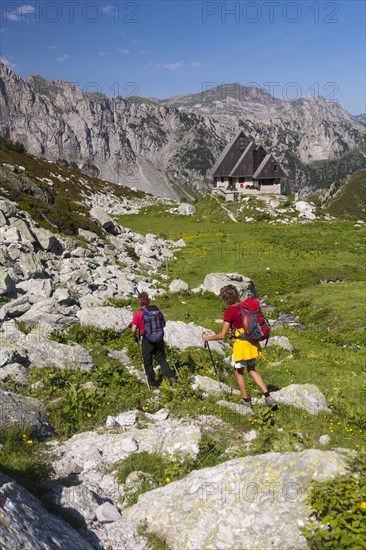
point(244, 350)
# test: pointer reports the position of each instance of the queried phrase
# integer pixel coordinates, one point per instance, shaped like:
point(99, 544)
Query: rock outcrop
point(259, 501)
point(24, 523)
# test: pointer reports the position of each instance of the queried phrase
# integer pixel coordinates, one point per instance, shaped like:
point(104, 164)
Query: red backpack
point(256, 326)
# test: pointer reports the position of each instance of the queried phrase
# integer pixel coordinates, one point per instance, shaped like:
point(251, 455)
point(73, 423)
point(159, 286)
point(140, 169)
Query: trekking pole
point(213, 364)
point(138, 343)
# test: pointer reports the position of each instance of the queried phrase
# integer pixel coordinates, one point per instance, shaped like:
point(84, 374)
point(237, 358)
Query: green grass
point(297, 256)
point(21, 459)
point(333, 312)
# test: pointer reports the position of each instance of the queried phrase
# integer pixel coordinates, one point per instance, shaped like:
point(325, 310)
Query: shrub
point(339, 508)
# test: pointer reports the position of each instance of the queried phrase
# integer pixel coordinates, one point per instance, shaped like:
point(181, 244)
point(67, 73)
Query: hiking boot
point(270, 402)
point(247, 404)
point(172, 380)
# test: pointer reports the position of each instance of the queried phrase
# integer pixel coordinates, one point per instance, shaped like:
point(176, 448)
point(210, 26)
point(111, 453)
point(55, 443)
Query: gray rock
point(7, 283)
point(72, 468)
point(161, 414)
point(105, 317)
point(15, 372)
point(105, 220)
point(94, 451)
point(29, 526)
point(63, 297)
point(305, 210)
point(280, 341)
point(15, 308)
point(146, 251)
point(31, 266)
point(49, 312)
point(77, 500)
point(188, 335)
point(106, 513)
point(46, 353)
point(215, 281)
point(302, 396)
point(48, 241)
point(89, 236)
point(17, 410)
point(124, 285)
point(180, 243)
point(23, 227)
point(210, 386)
point(10, 332)
point(11, 353)
point(8, 208)
point(57, 321)
point(122, 420)
point(177, 285)
point(35, 289)
point(186, 209)
point(10, 235)
point(251, 435)
point(266, 491)
point(324, 439)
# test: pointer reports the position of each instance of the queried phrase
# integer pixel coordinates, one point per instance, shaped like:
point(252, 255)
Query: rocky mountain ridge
point(166, 146)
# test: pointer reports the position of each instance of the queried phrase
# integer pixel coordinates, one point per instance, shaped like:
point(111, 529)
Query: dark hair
point(229, 294)
point(143, 297)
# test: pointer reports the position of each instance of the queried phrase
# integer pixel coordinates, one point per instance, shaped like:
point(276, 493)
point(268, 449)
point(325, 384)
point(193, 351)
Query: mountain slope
point(165, 146)
point(346, 200)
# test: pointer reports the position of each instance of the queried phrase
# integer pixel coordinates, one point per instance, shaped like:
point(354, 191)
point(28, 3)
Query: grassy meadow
point(315, 270)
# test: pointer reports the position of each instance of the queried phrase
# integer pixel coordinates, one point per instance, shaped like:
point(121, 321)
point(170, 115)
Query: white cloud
point(135, 41)
point(20, 13)
point(102, 54)
point(175, 66)
point(172, 66)
point(8, 63)
point(108, 9)
point(144, 52)
point(123, 51)
point(63, 57)
point(52, 47)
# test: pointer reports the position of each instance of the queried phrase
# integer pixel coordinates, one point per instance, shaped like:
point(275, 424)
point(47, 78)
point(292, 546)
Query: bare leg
point(257, 379)
point(239, 375)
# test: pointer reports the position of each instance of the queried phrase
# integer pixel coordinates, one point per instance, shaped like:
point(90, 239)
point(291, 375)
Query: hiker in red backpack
point(245, 352)
point(149, 321)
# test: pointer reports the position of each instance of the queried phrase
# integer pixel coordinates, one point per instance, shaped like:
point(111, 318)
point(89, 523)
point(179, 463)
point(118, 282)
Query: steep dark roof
point(253, 161)
point(225, 151)
point(265, 171)
point(244, 157)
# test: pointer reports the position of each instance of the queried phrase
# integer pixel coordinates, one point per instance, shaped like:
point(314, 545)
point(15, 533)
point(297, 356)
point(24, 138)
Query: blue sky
point(159, 48)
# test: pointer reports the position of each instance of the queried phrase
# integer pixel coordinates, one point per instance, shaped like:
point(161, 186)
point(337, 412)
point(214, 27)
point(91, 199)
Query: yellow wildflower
point(168, 480)
point(363, 506)
point(29, 441)
point(88, 415)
